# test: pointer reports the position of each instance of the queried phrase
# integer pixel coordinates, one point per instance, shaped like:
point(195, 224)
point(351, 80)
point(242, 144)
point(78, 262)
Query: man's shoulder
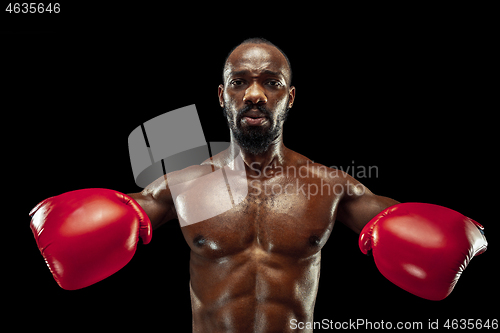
point(164, 182)
point(315, 169)
point(190, 173)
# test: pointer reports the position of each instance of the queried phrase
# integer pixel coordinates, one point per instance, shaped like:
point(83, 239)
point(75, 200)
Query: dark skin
point(256, 266)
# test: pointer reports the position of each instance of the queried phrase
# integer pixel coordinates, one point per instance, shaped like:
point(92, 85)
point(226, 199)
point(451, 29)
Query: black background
point(407, 91)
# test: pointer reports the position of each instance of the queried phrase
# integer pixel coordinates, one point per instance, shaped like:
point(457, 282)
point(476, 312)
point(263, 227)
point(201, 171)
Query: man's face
point(256, 95)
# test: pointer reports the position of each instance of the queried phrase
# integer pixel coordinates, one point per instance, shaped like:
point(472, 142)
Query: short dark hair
point(258, 40)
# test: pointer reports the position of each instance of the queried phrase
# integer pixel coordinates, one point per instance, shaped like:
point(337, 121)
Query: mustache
point(248, 107)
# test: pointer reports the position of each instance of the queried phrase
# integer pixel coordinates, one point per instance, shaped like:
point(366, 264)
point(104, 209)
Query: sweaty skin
point(256, 267)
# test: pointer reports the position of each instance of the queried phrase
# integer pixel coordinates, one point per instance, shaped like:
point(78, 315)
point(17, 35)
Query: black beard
point(255, 139)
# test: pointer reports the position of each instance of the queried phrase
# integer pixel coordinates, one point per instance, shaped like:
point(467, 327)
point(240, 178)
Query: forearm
point(357, 213)
point(159, 213)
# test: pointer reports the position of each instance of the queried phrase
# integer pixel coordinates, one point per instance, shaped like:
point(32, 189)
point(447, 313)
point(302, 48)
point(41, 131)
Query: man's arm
point(359, 205)
point(422, 248)
point(156, 200)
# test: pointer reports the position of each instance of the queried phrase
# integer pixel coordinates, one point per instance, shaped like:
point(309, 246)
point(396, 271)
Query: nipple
point(199, 241)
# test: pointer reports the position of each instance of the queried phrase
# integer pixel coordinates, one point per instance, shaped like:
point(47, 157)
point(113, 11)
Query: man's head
point(257, 93)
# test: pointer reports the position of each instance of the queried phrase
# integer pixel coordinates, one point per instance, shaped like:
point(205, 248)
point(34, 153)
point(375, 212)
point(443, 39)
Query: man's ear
point(221, 95)
point(291, 96)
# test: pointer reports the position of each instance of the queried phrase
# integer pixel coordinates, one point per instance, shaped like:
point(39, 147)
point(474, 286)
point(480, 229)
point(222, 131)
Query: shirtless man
point(256, 267)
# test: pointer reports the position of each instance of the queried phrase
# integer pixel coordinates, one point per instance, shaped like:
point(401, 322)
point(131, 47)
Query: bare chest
point(286, 216)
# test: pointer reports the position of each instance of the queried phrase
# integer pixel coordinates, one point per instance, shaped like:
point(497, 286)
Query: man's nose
point(255, 95)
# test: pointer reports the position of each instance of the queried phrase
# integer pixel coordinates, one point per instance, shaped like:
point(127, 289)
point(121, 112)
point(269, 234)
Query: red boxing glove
point(422, 248)
point(87, 235)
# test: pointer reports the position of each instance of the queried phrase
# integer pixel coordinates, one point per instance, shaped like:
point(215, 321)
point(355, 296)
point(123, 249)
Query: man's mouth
point(254, 121)
point(254, 118)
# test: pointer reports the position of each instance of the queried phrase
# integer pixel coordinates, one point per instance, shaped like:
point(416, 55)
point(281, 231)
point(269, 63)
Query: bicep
point(359, 205)
point(156, 200)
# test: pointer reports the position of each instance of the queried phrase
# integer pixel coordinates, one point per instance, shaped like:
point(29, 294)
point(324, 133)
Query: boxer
point(255, 267)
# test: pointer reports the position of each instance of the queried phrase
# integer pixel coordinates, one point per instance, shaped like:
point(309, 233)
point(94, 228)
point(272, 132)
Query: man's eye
point(274, 83)
point(237, 82)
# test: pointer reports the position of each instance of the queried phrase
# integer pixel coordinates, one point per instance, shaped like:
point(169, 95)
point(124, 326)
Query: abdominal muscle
point(252, 291)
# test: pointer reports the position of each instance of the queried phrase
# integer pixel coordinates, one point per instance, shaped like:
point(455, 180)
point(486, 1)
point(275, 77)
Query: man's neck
point(255, 164)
